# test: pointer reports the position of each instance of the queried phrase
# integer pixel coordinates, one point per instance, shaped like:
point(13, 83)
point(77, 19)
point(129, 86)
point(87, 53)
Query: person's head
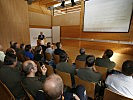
point(10, 60)
point(48, 44)
point(90, 60)
point(22, 46)
point(28, 47)
point(127, 68)
point(53, 87)
point(41, 33)
point(29, 67)
point(38, 49)
point(63, 57)
point(11, 44)
point(10, 51)
point(108, 53)
point(58, 45)
point(15, 45)
point(82, 51)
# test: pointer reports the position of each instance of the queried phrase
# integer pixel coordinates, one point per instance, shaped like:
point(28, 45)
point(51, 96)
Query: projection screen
point(107, 15)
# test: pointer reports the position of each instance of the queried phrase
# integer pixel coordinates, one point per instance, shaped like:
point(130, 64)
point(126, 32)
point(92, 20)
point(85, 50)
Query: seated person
point(11, 77)
point(58, 49)
point(122, 83)
point(41, 36)
point(105, 60)
point(38, 54)
point(89, 73)
point(53, 90)
point(22, 48)
point(82, 56)
point(63, 65)
point(50, 49)
point(2, 54)
point(28, 52)
point(32, 82)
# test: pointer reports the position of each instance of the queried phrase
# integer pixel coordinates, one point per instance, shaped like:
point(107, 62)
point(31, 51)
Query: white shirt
point(120, 83)
point(2, 56)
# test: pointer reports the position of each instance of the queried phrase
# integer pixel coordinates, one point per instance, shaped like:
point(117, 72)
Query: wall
point(14, 22)
point(39, 19)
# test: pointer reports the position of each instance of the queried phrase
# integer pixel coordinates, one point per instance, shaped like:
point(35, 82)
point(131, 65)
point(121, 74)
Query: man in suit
point(82, 56)
point(41, 36)
point(89, 73)
point(105, 60)
point(32, 82)
point(11, 76)
point(58, 49)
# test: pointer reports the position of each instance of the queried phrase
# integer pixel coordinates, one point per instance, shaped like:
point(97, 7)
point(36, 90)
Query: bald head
point(28, 65)
point(53, 86)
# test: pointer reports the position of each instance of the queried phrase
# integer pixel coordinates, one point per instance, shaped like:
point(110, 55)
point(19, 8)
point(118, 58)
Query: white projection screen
point(107, 15)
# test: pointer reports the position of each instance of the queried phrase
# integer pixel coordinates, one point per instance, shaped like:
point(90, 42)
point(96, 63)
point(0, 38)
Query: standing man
point(41, 36)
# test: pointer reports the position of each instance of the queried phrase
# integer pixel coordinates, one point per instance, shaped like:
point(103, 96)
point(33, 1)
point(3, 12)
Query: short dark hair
point(58, 44)
point(127, 67)
point(22, 45)
point(63, 56)
point(82, 51)
point(10, 51)
point(38, 49)
point(27, 47)
point(90, 60)
point(48, 45)
point(10, 59)
point(108, 53)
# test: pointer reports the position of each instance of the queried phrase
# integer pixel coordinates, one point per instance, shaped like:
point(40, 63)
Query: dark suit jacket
point(41, 37)
point(81, 57)
point(105, 62)
point(88, 74)
point(58, 51)
point(65, 67)
point(33, 84)
point(12, 79)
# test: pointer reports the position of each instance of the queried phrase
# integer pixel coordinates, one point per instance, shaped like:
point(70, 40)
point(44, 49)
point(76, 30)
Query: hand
point(43, 69)
point(76, 97)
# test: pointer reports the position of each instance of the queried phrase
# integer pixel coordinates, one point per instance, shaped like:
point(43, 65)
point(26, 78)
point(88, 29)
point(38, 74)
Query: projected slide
point(107, 15)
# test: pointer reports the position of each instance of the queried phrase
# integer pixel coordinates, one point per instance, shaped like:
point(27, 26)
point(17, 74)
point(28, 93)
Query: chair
point(89, 86)
point(49, 70)
point(56, 58)
point(28, 94)
point(5, 93)
point(66, 77)
point(79, 64)
point(48, 56)
point(102, 70)
point(110, 95)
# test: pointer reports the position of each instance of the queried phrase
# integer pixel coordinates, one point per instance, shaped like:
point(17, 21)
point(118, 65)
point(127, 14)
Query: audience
point(28, 52)
point(63, 65)
point(22, 48)
point(38, 54)
point(2, 54)
point(89, 73)
point(50, 49)
point(58, 49)
point(11, 77)
point(53, 90)
point(105, 60)
point(82, 56)
point(122, 83)
point(32, 82)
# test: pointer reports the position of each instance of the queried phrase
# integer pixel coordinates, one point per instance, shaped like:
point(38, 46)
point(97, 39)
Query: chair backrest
point(49, 70)
point(28, 94)
point(48, 56)
point(80, 64)
point(102, 70)
point(5, 93)
point(56, 58)
point(66, 77)
point(89, 86)
point(110, 95)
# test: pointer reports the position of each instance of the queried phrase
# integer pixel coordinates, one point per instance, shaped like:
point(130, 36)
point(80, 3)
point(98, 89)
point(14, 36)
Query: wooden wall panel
point(39, 19)
point(71, 43)
point(14, 22)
